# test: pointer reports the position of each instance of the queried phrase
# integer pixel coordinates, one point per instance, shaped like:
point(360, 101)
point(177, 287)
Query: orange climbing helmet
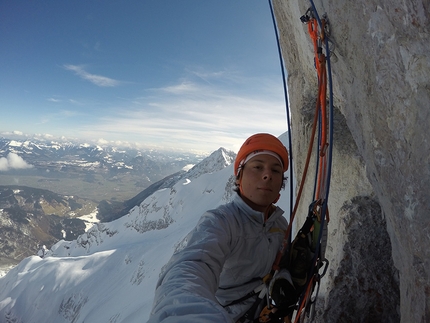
point(261, 143)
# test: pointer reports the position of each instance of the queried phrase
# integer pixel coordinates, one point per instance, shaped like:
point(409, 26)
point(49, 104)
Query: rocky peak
point(216, 161)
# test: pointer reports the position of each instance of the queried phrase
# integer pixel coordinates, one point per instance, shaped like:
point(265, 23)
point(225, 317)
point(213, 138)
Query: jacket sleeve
point(186, 290)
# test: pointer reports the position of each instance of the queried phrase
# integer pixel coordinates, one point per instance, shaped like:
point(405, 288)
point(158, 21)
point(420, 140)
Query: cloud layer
point(13, 161)
point(200, 111)
point(197, 114)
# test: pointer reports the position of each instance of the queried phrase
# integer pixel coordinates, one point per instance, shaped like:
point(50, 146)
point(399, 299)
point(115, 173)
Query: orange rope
point(320, 105)
point(320, 65)
point(302, 304)
point(299, 194)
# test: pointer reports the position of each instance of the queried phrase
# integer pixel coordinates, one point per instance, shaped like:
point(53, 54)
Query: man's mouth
point(265, 189)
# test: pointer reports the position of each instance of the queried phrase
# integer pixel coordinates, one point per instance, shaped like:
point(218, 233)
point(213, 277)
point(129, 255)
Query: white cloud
point(16, 134)
point(4, 165)
point(59, 115)
point(75, 101)
point(43, 136)
point(93, 78)
point(199, 112)
point(102, 142)
point(13, 161)
point(193, 116)
point(181, 88)
point(53, 100)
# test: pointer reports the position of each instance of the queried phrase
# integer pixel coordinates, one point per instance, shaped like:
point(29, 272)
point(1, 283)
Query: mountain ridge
point(32, 217)
point(108, 274)
point(214, 162)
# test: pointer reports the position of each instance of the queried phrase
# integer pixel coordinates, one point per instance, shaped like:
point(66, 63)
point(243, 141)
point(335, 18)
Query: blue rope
point(287, 108)
point(317, 155)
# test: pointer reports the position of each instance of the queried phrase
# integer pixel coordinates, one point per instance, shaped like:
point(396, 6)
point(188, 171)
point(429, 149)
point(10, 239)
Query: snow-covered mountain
point(55, 155)
point(107, 171)
point(109, 273)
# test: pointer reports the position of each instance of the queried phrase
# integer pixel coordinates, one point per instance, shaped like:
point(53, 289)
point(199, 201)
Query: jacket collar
point(256, 216)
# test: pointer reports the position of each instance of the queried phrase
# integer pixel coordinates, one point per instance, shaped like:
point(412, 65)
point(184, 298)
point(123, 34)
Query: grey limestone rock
point(381, 83)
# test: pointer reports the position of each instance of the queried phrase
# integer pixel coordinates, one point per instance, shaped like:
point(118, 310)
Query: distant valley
point(31, 218)
point(94, 172)
point(46, 187)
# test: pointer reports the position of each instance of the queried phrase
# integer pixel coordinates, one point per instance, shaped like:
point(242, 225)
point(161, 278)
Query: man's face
point(261, 181)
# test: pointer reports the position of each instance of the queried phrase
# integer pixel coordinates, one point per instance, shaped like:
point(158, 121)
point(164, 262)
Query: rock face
point(379, 232)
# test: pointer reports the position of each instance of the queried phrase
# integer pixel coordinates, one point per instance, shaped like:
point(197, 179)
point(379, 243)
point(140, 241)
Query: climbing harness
point(311, 240)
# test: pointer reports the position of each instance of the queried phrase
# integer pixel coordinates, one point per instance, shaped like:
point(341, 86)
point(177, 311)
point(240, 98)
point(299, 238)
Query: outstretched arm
point(186, 290)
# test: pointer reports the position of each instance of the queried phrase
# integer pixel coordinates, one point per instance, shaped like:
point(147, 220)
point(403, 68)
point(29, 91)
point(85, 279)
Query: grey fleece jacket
point(225, 254)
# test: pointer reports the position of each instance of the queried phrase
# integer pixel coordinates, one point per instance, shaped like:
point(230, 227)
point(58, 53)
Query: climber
point(217, 276)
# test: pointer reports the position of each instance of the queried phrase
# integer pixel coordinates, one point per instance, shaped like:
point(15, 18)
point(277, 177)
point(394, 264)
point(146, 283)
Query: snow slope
point(109, 273)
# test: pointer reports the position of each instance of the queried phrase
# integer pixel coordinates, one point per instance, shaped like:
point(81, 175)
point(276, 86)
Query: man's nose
point(267, 175)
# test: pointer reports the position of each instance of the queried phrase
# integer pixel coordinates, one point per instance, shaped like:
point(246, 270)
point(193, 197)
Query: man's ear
point(239, 177)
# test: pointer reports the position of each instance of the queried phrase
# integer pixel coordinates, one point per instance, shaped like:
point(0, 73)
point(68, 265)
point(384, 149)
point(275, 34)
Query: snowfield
point(109, 273)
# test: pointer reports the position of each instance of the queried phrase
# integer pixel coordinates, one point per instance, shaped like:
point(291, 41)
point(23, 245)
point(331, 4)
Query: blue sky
point(183, 74)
